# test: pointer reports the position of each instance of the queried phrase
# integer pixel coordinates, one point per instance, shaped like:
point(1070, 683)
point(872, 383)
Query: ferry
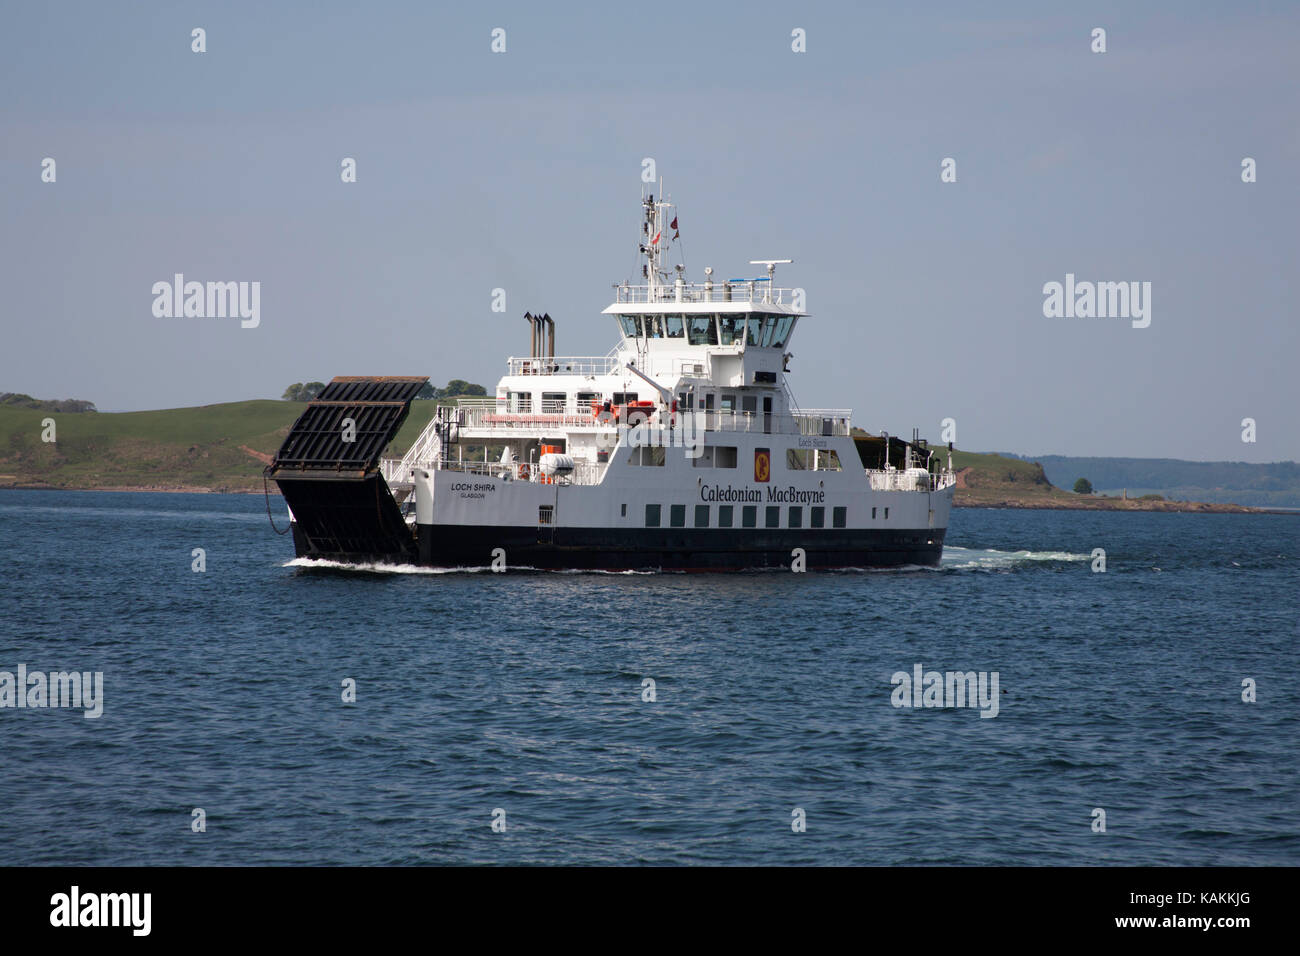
point(680, 449)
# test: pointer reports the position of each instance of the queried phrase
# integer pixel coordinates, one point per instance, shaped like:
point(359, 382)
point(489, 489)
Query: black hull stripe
point(676, 549)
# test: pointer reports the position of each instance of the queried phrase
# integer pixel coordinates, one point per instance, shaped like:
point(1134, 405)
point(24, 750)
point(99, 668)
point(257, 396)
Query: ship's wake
point(989, 559)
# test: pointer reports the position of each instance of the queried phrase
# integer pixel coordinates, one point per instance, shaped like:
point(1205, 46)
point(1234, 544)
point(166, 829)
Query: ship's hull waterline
point(653, 549)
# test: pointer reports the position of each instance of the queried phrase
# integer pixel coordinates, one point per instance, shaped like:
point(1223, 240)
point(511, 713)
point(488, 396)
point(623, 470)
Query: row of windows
point(757, 331)
point(748, 516)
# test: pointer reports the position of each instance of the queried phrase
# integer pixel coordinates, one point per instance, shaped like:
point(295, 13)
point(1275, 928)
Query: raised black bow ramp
point(328, 470)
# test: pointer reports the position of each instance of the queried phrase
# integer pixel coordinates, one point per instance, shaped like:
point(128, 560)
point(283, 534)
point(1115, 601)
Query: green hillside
point(211, 447)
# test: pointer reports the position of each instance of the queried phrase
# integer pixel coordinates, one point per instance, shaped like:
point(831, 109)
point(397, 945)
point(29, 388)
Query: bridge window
point(732, 329)
point(701, 330)
point(760, 331)
point(675, 326)
point(652, 516)
point(724, 516)
point(629, 324)
point(781, 330)
point(653, 327)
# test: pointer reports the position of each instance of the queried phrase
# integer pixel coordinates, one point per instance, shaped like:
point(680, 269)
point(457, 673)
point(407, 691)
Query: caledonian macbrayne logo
point(762, 464)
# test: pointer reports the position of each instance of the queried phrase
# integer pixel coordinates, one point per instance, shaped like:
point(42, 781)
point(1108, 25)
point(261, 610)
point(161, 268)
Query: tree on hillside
point(21, 400)
point(457, 386)
point(298, 392)
point(1083, 487)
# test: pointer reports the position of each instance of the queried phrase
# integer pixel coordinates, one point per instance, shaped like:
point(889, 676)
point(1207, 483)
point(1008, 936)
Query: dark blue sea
point(523, 692)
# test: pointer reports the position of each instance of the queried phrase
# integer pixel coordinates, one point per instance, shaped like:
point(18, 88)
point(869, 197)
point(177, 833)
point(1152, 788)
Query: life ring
point(523, 472)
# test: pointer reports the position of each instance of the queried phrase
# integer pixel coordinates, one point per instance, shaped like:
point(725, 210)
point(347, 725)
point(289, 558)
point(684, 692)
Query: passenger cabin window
point(521, 402)
point(652, 516)
point(724, 516)
point(585, 399)
point(647, 455)
point(701, 330)
point(674, 326)
point(724, 456)
point(553, 402)
point(623, 398)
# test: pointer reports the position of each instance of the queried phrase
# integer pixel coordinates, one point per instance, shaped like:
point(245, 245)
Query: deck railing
point(584, 472)
point(737, 290)
point(898, 479)
point(563, 365)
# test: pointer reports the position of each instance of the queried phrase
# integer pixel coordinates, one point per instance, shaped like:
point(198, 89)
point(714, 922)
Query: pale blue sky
point(522, 170)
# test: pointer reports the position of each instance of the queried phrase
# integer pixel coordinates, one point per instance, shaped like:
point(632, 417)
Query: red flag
point(656, 238)
point(673, 225)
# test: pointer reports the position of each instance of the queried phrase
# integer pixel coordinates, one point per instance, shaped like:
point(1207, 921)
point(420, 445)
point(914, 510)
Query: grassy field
point(212, 447)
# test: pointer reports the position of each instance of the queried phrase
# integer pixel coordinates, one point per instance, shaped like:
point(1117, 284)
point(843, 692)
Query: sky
point(521, 170)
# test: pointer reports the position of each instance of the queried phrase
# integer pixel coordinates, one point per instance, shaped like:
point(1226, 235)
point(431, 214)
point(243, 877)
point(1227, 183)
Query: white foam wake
point(989, 559)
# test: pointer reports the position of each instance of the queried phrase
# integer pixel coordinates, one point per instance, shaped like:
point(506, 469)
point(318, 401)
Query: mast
point(653, 241)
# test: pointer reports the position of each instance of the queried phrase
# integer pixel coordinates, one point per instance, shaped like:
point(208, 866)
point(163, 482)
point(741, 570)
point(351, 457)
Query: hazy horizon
point(521, 170)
